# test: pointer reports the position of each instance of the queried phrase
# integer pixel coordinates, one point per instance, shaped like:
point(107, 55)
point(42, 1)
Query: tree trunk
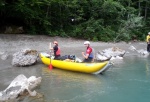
point(139, 8)
point(128, 6)
point(145, 16)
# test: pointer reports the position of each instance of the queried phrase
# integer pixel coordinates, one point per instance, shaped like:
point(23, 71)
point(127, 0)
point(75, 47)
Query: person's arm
point(85, 55)
point(50, 47)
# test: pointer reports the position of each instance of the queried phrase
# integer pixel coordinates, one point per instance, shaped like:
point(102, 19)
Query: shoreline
point(10, 43)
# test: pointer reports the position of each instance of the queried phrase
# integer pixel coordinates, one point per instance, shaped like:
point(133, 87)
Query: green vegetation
point(97, 20)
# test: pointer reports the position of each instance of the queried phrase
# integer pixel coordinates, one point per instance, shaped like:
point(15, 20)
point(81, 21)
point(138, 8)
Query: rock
point(141, 51)
point(8, 30)
point(14, 30)
point(100, 57)
point(110, 53)
point(19, 30)
point(4, 56)
point(2, 53)
point(117, 57)
point(25, 57)
point(132, 48)
point(19, 86)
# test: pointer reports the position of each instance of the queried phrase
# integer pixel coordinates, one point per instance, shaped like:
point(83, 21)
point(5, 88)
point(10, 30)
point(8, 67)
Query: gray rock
point(18, 86)
point(25, 57)
point(4, 56)
point(140, 51)
point(113, 53)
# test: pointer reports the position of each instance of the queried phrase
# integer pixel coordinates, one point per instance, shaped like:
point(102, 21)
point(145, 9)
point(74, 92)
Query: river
point(127, 81)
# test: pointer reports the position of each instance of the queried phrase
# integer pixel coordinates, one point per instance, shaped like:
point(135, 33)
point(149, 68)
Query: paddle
point(50, 65)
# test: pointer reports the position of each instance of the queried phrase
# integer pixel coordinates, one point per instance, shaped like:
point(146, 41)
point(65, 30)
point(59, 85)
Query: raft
point(93, 68)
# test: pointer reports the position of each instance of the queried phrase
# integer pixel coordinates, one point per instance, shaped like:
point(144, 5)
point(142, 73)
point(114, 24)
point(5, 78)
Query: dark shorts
point(88, 60)
point(58, 57)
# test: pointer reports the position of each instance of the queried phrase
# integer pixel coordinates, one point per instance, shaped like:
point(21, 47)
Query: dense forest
point(97, 20)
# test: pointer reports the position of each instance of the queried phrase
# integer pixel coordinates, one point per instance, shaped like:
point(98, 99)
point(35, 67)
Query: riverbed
point(127, 81)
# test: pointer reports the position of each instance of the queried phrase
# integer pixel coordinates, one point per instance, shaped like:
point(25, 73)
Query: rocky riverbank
point(11, 43)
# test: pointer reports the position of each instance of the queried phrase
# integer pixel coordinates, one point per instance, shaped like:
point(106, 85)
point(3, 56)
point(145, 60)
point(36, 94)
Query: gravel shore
point(11, 43)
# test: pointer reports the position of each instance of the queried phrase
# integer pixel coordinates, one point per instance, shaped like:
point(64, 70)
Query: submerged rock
point(19, 86)
point(25, 57)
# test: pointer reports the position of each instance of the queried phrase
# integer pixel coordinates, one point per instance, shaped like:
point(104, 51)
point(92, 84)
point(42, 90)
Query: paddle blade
point(50, 67)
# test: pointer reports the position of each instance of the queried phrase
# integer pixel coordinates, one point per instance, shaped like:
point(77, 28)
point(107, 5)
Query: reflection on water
point(127, 81)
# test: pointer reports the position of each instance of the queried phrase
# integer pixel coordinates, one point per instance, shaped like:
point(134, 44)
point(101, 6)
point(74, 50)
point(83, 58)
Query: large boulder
point(19, 86)
point(110, 53)
point(14, 30)
point(25, 57)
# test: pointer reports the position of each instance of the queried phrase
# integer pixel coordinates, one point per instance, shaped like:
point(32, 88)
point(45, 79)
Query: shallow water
point(127, 81)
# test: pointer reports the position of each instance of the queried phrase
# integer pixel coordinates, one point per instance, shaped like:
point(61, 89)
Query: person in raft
point(147, 40)
point(56, 50)
point(148, 45)
point(88, 56)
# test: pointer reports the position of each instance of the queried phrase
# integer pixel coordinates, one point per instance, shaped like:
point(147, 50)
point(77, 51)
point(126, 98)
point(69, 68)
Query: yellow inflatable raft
point(94, 68)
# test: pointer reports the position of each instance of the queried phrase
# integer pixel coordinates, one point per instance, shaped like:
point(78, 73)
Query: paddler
point(56, 50)
point(88, 55)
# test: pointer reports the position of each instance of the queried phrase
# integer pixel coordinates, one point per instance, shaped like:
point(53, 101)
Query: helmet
point(86, 42)
point(149, 33)
point(55, 42)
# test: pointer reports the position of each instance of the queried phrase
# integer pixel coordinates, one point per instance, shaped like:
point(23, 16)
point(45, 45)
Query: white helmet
point(86, 42)
point(149, 33)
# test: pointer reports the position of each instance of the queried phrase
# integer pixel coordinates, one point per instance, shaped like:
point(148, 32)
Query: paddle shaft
point(50, 65)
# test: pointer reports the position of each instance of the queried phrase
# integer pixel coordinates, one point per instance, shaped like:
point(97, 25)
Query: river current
point(127, 81)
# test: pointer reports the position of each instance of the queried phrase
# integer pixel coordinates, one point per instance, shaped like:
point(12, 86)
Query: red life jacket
point(89, 51)
point(58, 51)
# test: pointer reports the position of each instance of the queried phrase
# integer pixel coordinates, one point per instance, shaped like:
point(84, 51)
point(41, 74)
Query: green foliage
point(126, 28)
point(97, 20)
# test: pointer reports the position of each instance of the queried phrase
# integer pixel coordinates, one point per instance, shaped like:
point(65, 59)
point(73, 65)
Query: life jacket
point(147, 38)
point(91, 55)
point(58, 51)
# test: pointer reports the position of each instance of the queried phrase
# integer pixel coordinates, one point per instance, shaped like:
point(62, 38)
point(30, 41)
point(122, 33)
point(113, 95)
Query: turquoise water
point(127, 81)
